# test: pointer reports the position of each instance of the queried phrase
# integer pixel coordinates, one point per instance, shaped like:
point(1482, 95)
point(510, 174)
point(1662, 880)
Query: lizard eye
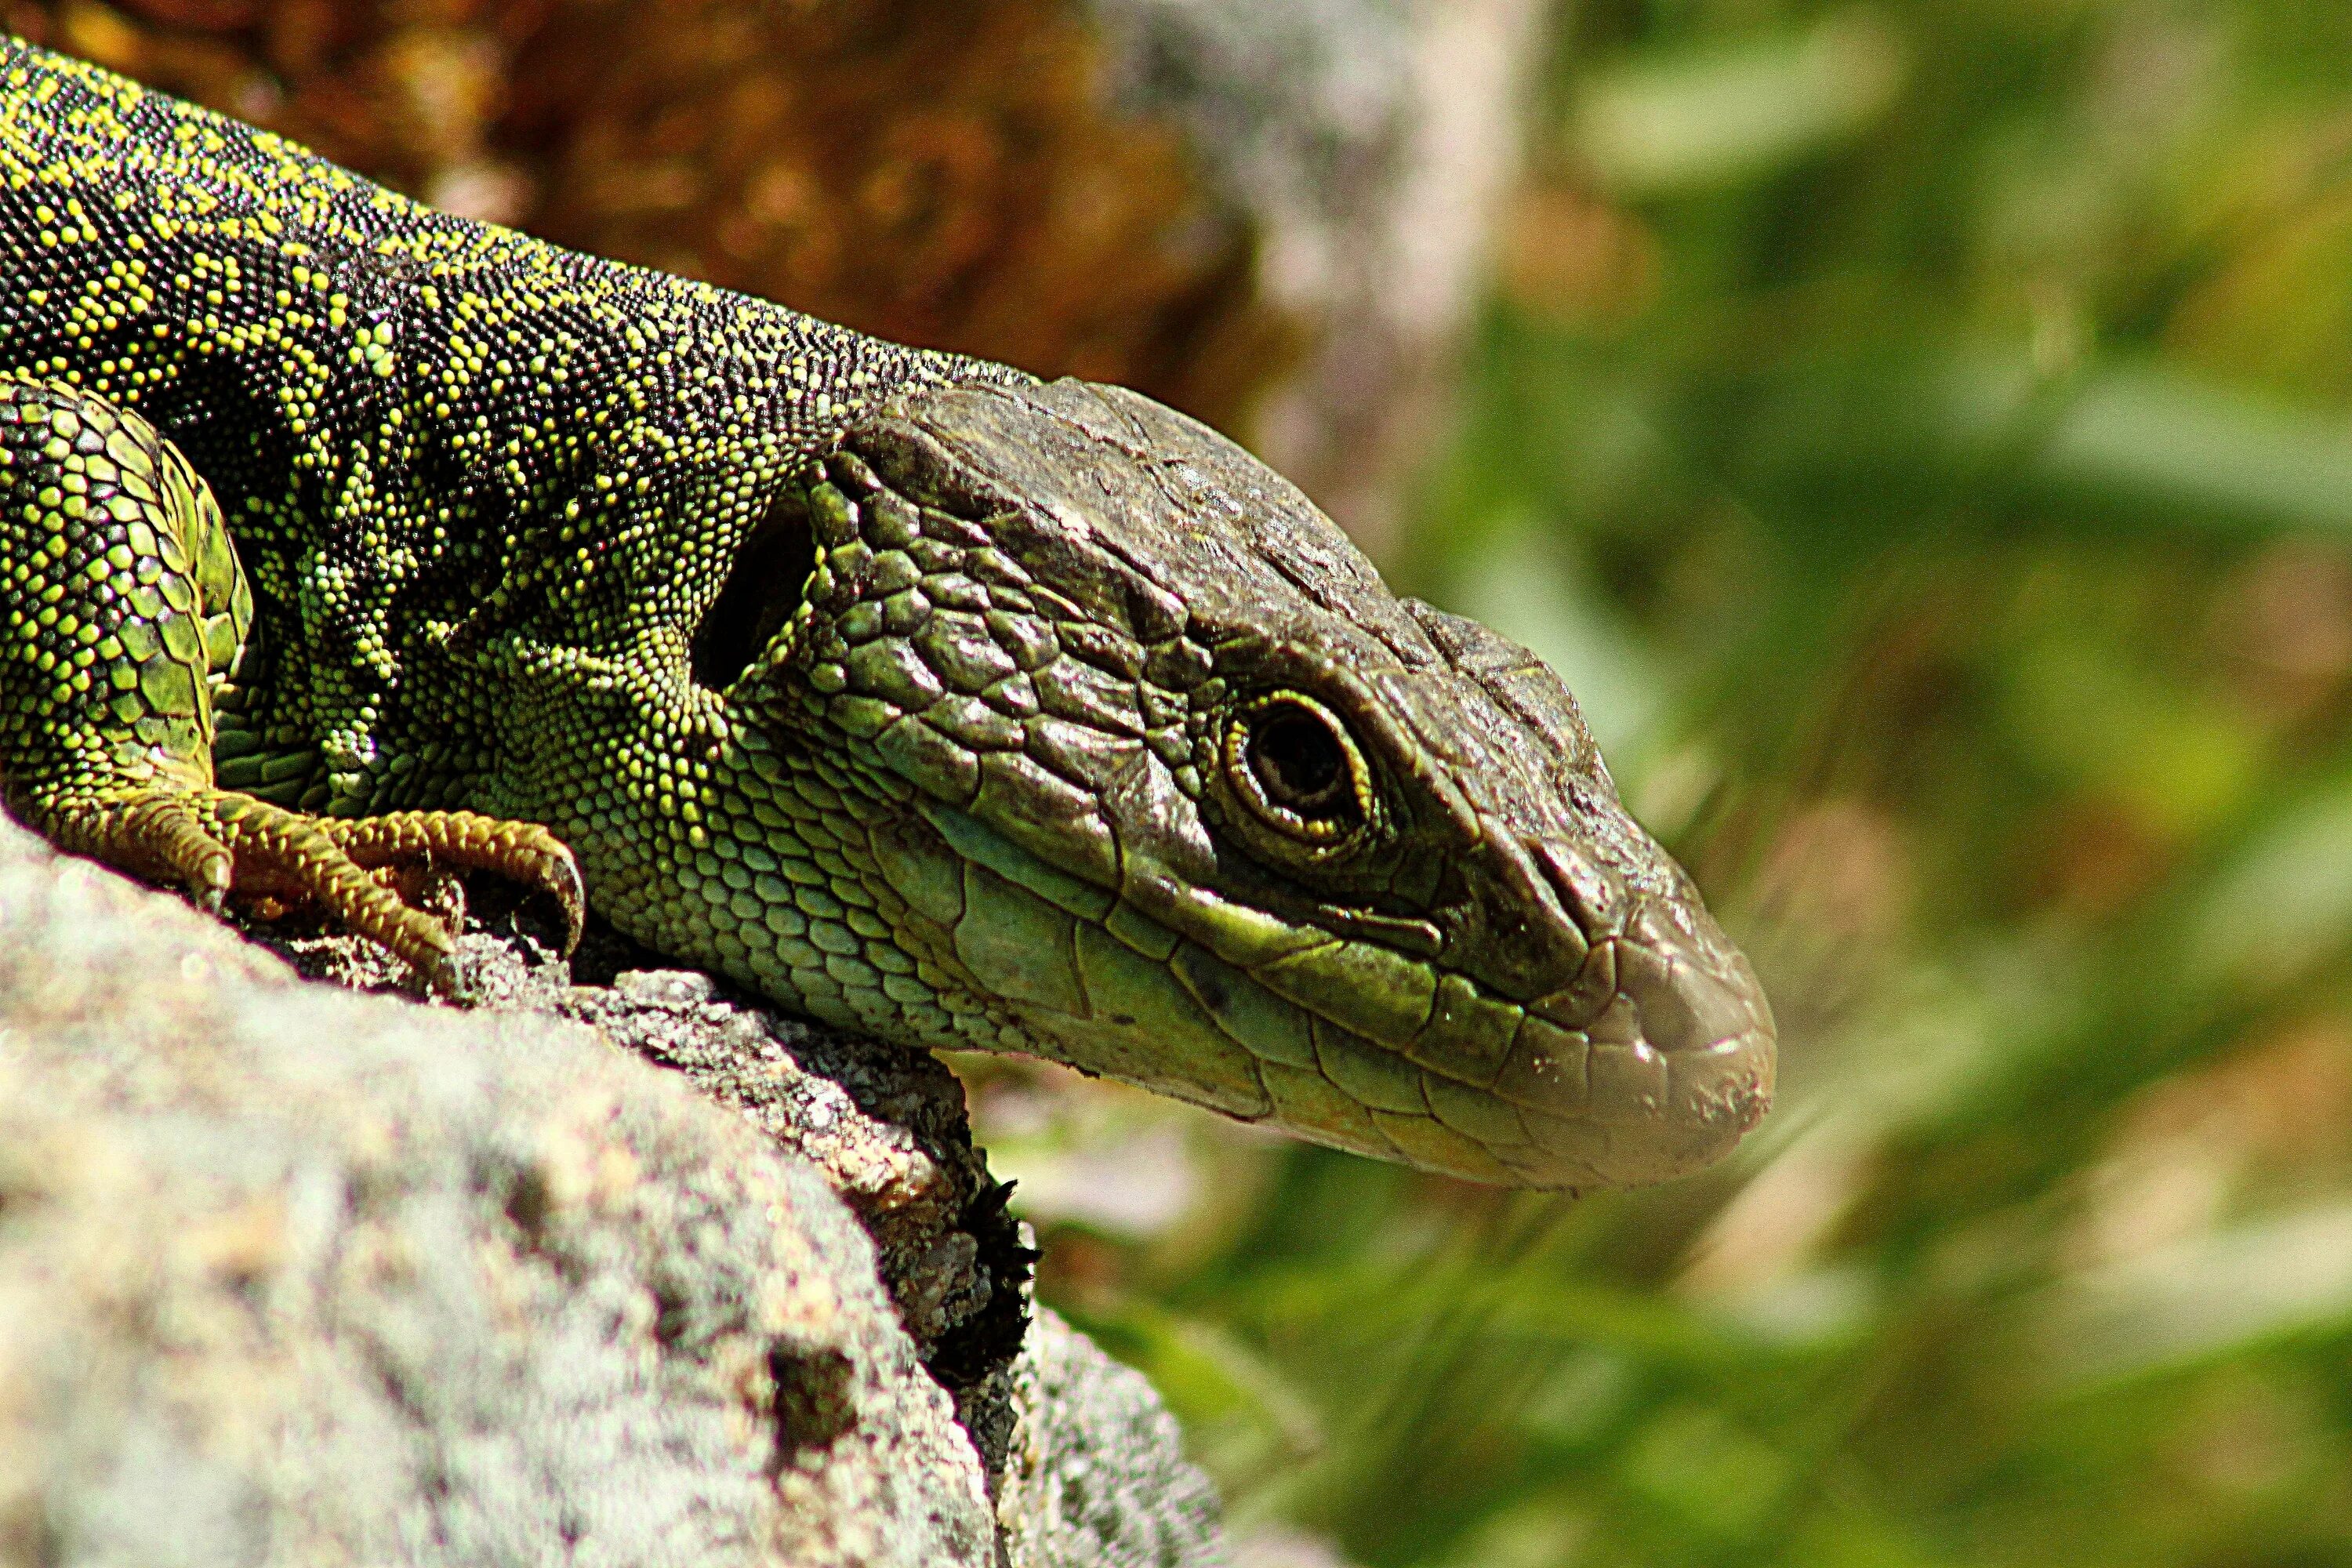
point(1291, 763)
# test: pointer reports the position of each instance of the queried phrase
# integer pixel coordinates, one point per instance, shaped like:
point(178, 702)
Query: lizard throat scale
point(926, 697)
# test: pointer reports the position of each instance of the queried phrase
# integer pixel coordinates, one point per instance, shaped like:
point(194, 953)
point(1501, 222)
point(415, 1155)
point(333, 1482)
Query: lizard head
point(1165, 784)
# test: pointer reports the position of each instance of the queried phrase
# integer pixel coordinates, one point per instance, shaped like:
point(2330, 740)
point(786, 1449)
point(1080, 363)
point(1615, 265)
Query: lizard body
point(924, 697)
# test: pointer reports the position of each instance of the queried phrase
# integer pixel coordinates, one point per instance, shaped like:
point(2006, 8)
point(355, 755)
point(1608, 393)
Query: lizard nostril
point(1585, 892)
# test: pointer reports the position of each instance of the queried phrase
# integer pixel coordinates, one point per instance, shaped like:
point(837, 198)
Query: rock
point(1097, 1476)
point(884, 1126)
point(293, 1275)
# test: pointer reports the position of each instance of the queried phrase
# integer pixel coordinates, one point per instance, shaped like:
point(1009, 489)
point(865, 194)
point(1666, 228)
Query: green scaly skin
point(926, 697)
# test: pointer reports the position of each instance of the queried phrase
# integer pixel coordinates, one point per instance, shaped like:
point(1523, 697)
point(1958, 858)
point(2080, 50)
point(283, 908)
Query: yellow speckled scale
point(349, 370)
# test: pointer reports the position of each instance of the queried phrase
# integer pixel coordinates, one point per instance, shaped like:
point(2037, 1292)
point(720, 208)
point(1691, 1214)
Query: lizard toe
point(524, 852)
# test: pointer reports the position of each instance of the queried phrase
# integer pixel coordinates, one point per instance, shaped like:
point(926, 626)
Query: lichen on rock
point(289, 1274)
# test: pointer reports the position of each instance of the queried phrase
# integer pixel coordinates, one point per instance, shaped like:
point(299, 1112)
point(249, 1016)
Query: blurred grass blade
point(2283, 906)
point(2187, 450)
point(1737, 112)
point(1242, 1418)
point(1900, 428)
point(2202, 1299)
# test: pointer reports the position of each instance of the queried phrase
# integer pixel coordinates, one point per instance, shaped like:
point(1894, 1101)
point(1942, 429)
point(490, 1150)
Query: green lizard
point(922, 696)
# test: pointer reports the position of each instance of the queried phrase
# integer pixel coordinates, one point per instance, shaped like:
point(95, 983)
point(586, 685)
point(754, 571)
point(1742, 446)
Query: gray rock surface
point(293, 1275)
point(1097, 1478)
point(885, 1126)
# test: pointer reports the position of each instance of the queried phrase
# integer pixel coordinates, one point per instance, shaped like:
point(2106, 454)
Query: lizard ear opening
point(764, 585)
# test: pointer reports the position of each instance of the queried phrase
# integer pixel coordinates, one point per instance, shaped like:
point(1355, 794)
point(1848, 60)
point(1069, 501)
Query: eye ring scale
point(1294, 766)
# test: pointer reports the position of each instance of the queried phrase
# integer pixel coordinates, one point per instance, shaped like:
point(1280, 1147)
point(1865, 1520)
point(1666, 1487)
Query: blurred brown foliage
point(947, 172)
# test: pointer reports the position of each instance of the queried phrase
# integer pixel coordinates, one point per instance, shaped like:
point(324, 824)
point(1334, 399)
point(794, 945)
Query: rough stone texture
point(884, 1126)
point(1087, 1464)
point(1097, 1476)
point(293, 1275)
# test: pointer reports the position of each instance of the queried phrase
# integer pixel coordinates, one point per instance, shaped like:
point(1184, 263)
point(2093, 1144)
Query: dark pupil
point(1298, 761)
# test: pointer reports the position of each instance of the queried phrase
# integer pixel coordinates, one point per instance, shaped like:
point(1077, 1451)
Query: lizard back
point(433, 438)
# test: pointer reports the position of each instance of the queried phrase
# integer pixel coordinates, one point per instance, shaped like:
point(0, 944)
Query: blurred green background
point(1923, 436)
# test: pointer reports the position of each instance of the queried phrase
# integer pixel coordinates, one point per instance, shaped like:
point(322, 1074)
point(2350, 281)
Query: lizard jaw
point(1650, 1063)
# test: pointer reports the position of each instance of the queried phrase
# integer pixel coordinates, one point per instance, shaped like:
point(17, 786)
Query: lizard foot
point(217, 843)
point(520, 851)
point(221, 845)
point(127, 615)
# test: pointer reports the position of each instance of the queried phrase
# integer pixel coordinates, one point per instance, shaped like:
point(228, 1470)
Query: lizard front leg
point(124, 604)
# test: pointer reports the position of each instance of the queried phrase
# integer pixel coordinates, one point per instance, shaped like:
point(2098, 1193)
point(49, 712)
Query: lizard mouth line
point(1652, 1063)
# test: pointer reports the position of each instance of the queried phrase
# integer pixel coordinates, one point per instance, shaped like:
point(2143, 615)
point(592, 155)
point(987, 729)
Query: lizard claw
point(216, 842)
point(571, 897)
point(524, 851)
point(447, 972)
